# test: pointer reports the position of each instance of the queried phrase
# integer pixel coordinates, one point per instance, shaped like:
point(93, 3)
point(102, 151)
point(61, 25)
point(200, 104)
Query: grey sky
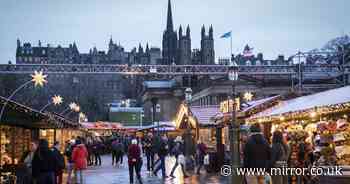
point(270, 26)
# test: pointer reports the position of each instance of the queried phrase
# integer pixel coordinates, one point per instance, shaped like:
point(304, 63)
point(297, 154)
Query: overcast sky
point(270, 26)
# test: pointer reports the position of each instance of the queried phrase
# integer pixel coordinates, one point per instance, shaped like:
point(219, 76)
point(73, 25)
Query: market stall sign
point(227, 105)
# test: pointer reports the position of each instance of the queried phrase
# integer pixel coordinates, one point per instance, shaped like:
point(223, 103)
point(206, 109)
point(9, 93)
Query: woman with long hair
point(279, 156)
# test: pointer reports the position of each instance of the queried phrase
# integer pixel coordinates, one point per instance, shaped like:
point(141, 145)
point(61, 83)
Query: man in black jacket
point(257, 153)
point(60, 164)
point(43, 164)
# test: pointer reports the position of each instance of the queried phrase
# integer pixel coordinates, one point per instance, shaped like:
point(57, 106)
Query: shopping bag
point(206, 159)
point(181, 159)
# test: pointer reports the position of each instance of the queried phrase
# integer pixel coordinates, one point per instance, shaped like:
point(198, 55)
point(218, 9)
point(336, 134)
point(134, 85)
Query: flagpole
point(231, 43)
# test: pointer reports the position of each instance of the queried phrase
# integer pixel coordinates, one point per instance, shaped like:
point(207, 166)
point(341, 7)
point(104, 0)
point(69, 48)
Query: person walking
point(178, 152)
point(60, 164)
point(162, 153)
point(257, 154)
point(79, 157)
point(279, 156)
point(43, 163)
point(201, 151)
point(96, 149)
point(148, 151)
point(134, 161)
point(70, 164)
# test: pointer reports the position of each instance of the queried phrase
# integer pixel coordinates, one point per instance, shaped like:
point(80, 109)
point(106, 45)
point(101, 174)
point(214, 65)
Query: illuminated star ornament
point(82, 115)
point(248, 96)
point(72, 105)
point(39, 78)
point(57, 100)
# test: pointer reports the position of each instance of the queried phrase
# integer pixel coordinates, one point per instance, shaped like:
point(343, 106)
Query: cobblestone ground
point(108, 174)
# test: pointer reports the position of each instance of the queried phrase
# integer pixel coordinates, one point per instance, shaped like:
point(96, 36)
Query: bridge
point(294, 70)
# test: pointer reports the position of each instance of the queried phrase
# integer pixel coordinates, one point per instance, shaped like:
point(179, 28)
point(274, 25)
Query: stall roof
point(326, 98)
point(102, 125)
point(17, 114)
point(254, 104)
point(203, 114)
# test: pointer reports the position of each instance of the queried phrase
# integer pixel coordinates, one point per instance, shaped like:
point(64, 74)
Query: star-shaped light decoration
point(72, 106)
point(248, 96)
point(57, 100)
point(77, 108)
point(39, 78)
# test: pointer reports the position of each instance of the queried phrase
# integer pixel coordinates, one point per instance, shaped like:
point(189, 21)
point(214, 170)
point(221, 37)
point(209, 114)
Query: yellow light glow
point(282, 118)
point(38, 78)
point(57, 100)
point(313, 114)
point(77, 108)
point(248, 96)
point(82, 115)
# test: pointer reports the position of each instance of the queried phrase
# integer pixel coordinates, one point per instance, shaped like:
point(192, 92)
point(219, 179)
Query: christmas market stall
point(101, 128)
point(19, 125)
point(318, 131)
point(161, 127)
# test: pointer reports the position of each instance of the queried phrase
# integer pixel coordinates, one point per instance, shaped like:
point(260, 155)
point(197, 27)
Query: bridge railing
point(173, 69)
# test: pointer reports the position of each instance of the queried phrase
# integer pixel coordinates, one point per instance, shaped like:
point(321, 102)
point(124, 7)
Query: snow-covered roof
point(330, 97)
point(203, 114)
point(253, 104)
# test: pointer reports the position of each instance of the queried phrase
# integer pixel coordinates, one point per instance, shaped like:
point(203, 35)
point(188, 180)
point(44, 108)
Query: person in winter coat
point(43, 164)
point(97, 149)
point(68, 151)
point(148, 151)
point(134, 161)
point(201, 152)
point(178, 150)
point(24, 175)
point(60, 164)
point(117, 151)
point(79, 158)
point(257, 154)
point(162, 153)
point(279, 156)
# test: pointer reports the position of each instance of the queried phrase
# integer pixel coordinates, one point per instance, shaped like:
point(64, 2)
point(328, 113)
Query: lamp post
point(55, 100)
point(142, 114)
point(158, 111)
point(154, 103)
point(234, 127)
point(188, 136)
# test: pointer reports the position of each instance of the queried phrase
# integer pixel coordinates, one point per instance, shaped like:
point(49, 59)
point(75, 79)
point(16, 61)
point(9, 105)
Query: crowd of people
point(45, 165)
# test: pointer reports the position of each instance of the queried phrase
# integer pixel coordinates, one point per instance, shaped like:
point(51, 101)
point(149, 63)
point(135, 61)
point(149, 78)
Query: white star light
point(39, 78)
point(248, 96)
point(72, 105)
point(57, 100)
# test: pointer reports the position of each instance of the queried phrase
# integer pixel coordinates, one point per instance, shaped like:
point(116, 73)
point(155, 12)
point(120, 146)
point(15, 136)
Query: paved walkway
point(108, 174)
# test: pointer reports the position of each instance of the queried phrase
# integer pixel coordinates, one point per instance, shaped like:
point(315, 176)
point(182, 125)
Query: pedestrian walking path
point(108, 174)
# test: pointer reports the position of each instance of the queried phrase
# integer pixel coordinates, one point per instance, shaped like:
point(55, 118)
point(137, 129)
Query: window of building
point(43, 52)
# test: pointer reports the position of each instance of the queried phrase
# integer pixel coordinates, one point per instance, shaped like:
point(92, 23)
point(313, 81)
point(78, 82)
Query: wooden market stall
point(164, 127)
point(20, 125)
point(318, 130)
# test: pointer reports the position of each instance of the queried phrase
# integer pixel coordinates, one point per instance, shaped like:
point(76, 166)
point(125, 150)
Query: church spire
point(169, 24)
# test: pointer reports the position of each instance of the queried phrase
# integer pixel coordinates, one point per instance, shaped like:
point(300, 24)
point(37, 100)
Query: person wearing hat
point(257, 154)
point(79, 158)
point(134, 161)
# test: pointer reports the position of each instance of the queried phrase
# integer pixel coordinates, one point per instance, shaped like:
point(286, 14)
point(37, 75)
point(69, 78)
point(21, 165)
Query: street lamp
point(234, 126)
point(142, 114)
point(158, 111)
point(55, 100)
point(187, 135)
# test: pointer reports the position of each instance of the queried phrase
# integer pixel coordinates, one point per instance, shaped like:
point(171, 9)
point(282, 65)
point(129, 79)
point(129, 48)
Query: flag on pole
point(226, 35)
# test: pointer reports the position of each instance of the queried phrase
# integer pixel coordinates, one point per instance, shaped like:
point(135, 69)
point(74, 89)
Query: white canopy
point(330, 97)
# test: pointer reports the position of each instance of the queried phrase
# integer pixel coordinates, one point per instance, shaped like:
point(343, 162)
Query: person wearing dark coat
point(148, 151)
point(178, 149)
point(162, 153)
point(279, 156)
point(60, 164)
point(257, 153)
point(43, 164)
point(97, 149)
point(134, 161)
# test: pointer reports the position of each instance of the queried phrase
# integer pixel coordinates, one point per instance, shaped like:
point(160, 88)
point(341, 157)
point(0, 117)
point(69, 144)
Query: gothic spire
point(180, 32)
point(169, 24)
point(111, 41)
point(188, 31)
